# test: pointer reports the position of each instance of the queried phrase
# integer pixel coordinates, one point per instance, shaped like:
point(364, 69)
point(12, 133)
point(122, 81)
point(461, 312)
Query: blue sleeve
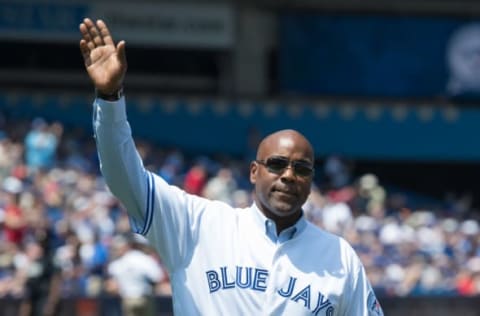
point(120, 163)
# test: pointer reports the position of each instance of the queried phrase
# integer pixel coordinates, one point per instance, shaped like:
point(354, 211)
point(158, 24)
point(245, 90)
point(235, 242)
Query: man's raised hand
point(106, 63)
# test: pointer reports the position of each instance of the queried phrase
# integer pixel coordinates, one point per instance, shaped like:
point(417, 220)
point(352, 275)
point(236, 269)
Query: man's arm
point(106, 66)
point(163, 213)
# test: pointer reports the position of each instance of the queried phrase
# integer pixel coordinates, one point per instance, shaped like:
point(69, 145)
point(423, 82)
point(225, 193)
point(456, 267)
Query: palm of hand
point(104, 67)
point(106, 63)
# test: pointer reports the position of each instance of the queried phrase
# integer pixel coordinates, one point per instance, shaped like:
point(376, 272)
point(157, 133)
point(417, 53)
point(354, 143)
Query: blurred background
point(387, 91)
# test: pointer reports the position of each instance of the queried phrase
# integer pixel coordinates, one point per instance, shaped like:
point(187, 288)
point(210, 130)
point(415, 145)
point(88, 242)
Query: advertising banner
point(152, 24)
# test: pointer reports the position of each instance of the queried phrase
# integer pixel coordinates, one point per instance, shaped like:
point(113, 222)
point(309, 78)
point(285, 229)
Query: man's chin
point(283, 209)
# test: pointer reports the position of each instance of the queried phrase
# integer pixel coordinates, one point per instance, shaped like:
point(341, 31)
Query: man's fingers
point(86, 36)
point(94, 33)
point(85, 50)
point(105, 33)
point(88, 22)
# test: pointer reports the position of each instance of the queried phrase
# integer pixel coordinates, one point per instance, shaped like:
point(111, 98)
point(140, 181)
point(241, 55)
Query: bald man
point(262, 260)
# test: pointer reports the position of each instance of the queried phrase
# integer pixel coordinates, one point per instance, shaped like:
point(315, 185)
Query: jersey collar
point(270, 229)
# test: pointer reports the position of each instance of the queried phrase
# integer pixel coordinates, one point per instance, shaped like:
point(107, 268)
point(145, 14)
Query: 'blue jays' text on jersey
point(226, 261)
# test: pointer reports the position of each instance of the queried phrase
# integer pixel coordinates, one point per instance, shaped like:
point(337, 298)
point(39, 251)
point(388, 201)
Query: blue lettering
point(248, 277)
point(260, 280)
point(321, 304)
point(226, 284)
point(303, 295)
point(330, 311)
point(288, 292)
point(213, 282)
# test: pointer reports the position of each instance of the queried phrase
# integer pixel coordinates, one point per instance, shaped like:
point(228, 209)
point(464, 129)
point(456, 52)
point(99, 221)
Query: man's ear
point(253, 172)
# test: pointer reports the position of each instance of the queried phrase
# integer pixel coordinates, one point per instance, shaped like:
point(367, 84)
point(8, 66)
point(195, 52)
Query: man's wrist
point(114, 96)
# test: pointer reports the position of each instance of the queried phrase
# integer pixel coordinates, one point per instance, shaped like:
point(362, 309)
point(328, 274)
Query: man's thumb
point(121, 53)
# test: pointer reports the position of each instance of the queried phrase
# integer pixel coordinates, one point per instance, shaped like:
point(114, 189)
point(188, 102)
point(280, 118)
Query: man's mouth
point(285, 192)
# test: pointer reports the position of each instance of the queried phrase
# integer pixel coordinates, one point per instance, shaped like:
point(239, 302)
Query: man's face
point(281, 175)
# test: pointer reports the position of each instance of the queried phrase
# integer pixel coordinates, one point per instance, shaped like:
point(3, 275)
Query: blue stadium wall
point(396, 131)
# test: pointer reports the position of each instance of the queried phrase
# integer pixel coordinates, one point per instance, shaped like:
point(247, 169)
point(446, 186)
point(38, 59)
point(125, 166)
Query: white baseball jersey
point(226, 261)
point(136, 273)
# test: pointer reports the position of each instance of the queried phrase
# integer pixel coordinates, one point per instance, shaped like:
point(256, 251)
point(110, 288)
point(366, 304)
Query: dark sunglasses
point(279, 164)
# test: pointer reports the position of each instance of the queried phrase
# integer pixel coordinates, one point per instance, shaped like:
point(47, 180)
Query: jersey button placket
point(277, 276)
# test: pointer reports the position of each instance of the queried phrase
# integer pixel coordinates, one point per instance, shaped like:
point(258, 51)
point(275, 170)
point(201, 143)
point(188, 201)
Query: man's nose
point(288, 172)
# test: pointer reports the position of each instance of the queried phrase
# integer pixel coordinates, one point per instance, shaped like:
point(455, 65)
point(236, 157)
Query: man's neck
point(283, 223)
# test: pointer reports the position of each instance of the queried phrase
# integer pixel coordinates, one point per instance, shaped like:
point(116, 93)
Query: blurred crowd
point(60, 227)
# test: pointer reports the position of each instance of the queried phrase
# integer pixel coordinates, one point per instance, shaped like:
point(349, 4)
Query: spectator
point(42, 283)
point(337, 172)
point(133, 275)
point(195, 179)
point(41, 144)
point(221, 186)
point(14, 217)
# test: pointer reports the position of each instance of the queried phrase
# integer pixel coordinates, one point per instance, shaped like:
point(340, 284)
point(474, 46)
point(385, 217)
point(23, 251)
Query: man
point(262, 260)
point(133, 275)
point(42, 278)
